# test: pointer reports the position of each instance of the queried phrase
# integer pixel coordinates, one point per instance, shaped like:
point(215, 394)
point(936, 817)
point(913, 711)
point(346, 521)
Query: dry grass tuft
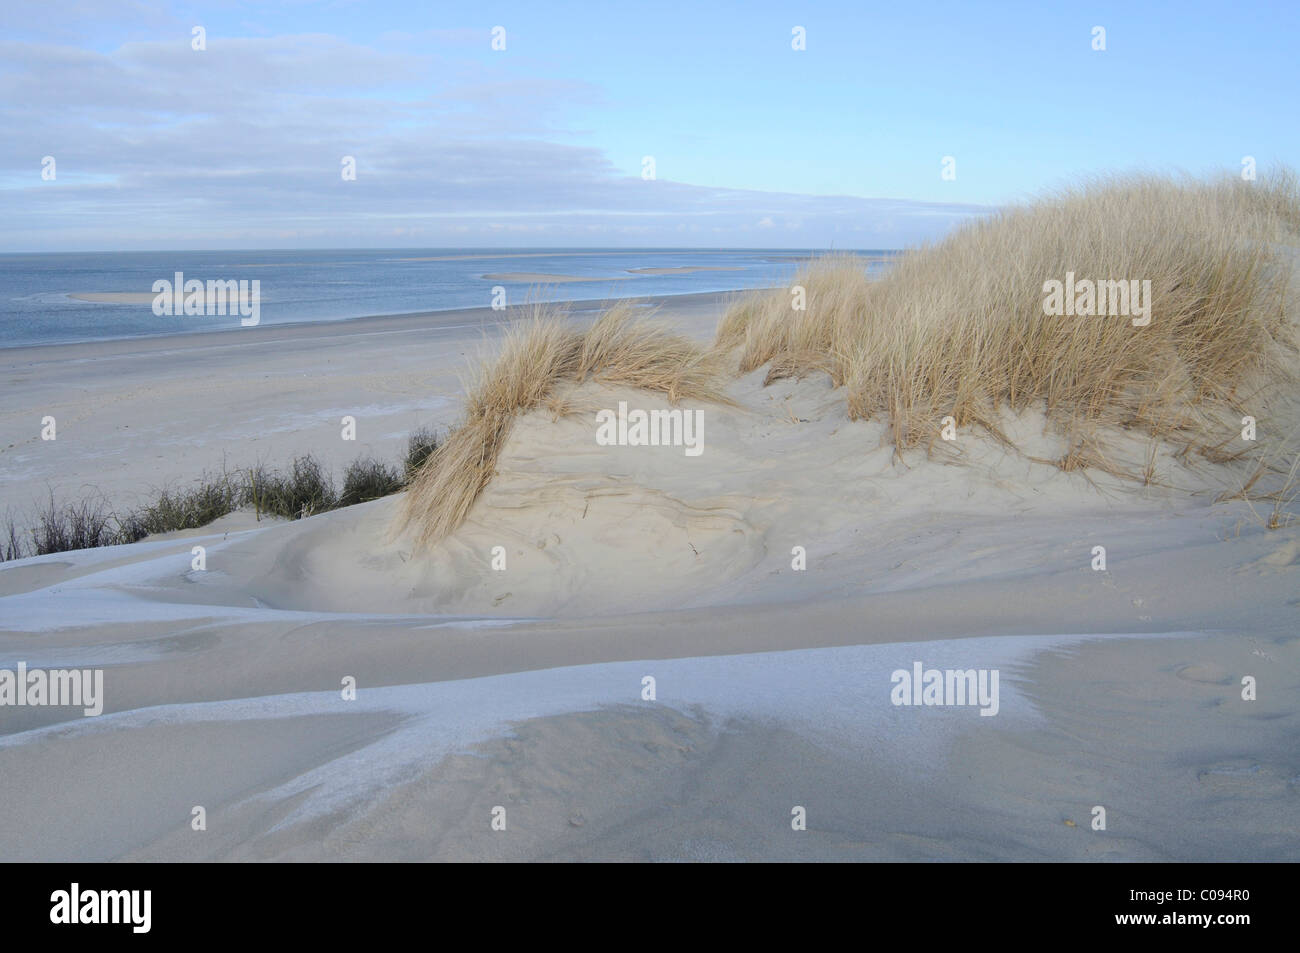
point(536, 357)
point(1276, 481)
point(770, 330)
point(958, 328)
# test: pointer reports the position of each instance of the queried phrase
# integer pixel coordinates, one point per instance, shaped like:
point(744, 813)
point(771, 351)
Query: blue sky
point(755, 144)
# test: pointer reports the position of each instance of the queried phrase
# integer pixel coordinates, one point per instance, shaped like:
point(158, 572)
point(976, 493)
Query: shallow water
point(314, 286)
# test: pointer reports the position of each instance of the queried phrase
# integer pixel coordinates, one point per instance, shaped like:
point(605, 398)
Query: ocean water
point(37, 307)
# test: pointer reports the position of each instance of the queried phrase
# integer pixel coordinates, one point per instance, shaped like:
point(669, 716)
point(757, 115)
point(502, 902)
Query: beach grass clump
point(11, 543)
point(538, 355)
point(367, 479)
point(419, 445)
point(211, 498)
point(623, 350)
point(534, 358)
point(796, 331)
point(961, 327)
point(83, 524)
point(304, 490)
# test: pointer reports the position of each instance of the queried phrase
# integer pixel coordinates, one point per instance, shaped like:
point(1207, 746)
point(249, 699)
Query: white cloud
point(159, 146)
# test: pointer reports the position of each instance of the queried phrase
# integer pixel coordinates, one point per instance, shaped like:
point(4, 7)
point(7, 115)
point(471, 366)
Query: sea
point(38, 303)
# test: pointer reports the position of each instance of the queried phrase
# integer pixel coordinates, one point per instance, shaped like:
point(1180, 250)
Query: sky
point(893, 124)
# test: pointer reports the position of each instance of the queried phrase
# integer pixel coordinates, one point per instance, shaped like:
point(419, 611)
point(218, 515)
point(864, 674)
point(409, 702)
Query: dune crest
point(1182, 330)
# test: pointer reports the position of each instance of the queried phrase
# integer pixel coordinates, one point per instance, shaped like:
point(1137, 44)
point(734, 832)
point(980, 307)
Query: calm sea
point(37, 304)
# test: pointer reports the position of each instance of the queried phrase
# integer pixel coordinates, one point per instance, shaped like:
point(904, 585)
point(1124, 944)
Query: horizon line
point(539, 249)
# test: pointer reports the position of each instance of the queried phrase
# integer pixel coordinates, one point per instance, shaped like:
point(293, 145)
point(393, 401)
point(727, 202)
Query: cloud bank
point(243, 144)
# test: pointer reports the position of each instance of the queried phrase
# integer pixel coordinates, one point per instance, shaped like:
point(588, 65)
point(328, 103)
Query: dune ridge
point(958, 334)
point(536, 357)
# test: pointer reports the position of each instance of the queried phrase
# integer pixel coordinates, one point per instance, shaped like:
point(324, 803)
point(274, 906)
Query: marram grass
point(959, 328)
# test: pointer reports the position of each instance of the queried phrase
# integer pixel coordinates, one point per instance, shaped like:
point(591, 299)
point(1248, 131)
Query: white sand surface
point(523, 688)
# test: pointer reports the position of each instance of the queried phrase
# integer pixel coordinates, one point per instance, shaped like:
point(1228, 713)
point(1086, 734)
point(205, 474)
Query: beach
point(142, 414)
point(325, 690)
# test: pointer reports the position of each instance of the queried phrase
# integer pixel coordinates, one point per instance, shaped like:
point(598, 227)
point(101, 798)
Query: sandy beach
point(521, 692)
point(154, 412)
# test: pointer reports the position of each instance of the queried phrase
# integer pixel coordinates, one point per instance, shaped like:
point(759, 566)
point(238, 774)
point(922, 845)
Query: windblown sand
point(523, 688)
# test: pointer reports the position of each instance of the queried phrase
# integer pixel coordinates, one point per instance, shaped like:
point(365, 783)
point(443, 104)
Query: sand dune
point(632, 652)
point(522, 688)
point(222, 688)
